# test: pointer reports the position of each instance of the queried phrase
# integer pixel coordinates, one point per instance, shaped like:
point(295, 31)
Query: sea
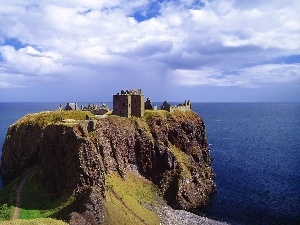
point(256, 158)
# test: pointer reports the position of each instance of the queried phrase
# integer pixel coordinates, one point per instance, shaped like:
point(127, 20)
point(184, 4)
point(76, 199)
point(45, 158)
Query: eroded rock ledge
point(169, 149)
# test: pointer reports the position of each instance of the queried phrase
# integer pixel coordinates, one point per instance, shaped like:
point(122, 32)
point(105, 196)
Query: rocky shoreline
point(171, 216)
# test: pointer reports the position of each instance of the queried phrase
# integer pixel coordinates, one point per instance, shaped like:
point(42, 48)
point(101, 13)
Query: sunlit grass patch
point(156, 113)
point(182, 158)
point(45, 118)
point(126, 200)
point(40, 221)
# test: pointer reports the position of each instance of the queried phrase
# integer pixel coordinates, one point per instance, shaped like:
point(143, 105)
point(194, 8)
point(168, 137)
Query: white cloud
point(218, 43)
point(29, 60)
point(253, 77)
point(11, 80)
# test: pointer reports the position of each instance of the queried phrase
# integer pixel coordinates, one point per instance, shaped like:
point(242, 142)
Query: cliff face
point(169, 149)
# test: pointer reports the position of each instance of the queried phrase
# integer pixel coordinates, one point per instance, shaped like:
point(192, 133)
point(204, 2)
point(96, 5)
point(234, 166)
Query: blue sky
point(206, 51)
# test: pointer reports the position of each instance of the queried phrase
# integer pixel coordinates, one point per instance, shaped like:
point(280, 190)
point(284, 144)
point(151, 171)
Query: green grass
point(37, 202)
point(41, 221)
point(126, 200)
point(142, 124)
point(5, 212)
point(8, 196)
point(45, 118)
point(156, 113)
point(183, 160)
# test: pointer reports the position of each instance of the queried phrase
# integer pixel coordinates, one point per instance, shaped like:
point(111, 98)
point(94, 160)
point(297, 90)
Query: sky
point(205, 51)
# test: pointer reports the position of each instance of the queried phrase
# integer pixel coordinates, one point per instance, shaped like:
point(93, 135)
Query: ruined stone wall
point(165, 106)
point(122, 105)
point(137, 105)
point(129, 103)
point(181, 108)
point(186, 106)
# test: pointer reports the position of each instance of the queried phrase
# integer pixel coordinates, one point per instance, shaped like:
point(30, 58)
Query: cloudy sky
point(209, 50)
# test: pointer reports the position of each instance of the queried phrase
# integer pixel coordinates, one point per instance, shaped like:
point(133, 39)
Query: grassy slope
point(37, 202)
point(8, 197)
point(41, 221)
point(126, 200)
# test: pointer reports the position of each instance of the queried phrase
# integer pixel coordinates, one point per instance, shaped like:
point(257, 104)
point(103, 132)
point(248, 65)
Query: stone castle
point(129, 103)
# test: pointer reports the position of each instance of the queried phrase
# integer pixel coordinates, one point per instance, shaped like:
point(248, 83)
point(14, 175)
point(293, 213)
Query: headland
point(121, 167)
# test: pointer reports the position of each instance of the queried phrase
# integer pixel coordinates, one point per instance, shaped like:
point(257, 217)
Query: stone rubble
point(171, 216)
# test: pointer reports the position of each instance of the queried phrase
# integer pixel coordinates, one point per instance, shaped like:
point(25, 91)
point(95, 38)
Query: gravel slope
point(170, 216)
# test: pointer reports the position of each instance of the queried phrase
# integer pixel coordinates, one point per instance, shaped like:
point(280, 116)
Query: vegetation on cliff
point(44, 119)
point(127, 200)
point(37, 201)
point(40, 221)
point(124, 167)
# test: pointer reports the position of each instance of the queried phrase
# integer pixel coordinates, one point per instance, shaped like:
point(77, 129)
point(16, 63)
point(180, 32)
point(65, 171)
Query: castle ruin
point(186, 106)
point(71, 106)
point(129, 103)
point(149, 106)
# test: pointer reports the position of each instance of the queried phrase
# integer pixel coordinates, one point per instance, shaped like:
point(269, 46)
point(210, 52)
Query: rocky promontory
point(167, 150)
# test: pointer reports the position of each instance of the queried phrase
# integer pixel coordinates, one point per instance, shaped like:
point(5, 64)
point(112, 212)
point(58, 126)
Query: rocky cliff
point(168, 149)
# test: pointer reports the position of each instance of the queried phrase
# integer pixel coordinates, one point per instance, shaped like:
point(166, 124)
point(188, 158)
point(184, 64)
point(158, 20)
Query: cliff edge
point(170, 150)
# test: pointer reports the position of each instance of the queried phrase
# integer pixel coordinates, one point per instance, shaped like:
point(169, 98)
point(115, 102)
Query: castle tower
point(137, 104)
point(122, 104)
point(129, 103)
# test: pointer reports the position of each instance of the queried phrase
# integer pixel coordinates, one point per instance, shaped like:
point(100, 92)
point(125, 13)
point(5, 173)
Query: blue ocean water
point(256, 151)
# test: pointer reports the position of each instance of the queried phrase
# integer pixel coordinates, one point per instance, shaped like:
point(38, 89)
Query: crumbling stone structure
point(95, 109)
point(71, 106)
point(149, 106)
point(129, 103)
point(186, 106)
